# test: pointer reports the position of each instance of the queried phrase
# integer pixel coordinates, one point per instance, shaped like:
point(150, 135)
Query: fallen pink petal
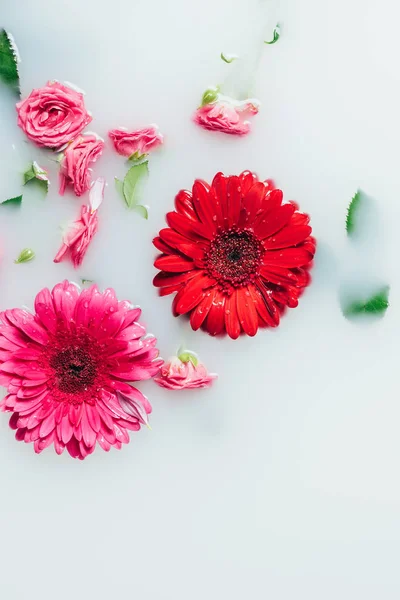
point(177, 374)
point(77, 239)
point(138, 142)
point(76, 160)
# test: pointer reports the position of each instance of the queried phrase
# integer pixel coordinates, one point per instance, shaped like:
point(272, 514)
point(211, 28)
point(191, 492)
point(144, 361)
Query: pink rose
point(178, 375)
point(78, 155)
point(53, 115)
point(77, 239)
point(140, 141)
point(226, 115)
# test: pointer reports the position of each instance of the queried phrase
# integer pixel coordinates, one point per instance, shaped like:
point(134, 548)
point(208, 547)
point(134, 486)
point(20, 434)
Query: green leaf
point(228, 58)
point(36, 175)
point(276, 35)
point(87, 281)
point(29, 174)
point(141, 210)
point(17, 200)
point(26, 255)
point(119, 187)
point(9, 62)
point(189, 356)
point(353, 211)
point(131, 180)
point(375, 305)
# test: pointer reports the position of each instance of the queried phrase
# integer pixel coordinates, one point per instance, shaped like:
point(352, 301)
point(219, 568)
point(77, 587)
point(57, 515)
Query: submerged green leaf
point(17, 200)
point(376, 304)
point(131, 180)
point(141, 210)
point(119, 185)
point(352, 212)
point(276, 35)
point(25, 255)
point(9, 62)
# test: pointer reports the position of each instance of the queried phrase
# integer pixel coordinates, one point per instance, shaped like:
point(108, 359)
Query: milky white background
point(282, 481)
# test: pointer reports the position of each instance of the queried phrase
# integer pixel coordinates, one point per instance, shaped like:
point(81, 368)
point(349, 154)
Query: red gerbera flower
point(235, 254)
point(67, 369)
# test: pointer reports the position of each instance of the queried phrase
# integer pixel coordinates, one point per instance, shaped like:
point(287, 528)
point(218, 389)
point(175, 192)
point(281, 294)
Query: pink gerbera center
point(234, 257)
point(75, 363)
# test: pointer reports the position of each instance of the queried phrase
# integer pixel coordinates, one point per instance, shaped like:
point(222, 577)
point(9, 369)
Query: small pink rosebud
point(184, 372)
point(138, 142)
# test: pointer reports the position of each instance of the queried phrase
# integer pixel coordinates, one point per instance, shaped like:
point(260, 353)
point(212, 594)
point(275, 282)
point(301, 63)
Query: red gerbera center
point(234, 258)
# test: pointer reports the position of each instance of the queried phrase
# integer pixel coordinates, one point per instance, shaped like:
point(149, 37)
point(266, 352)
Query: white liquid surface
point(282, 481)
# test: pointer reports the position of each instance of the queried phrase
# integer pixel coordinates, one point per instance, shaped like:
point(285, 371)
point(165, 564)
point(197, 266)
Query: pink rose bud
point(225, 115)
point(184, 372)
point(138, 142)
point(53, 115)
point(83, 151)
point(77, 239)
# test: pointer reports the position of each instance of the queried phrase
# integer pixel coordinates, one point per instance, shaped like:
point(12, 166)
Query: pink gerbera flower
point(67, 369)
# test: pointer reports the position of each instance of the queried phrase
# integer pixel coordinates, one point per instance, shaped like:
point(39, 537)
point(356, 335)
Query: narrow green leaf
point(9, 62)
point(17, 200)
point(119, 185)
point(276, 35)
point(353, 211)
point(131, 180)
point(376, 304)
point(228, 58)
point(87, 281)
point(26, 255)
point(141, 210)
point(136, 158)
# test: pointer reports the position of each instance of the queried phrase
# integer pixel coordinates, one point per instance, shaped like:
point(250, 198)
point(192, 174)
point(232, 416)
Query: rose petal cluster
point(53, 115)
point(76, 161)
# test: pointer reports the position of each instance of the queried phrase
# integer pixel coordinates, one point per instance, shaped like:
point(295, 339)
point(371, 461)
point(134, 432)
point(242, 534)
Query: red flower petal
point(247, 311)
point(165, 279)
point(193, 292)
point(232, 324)
point(288, 257)
point(278, 275)
point(253, 201)
point(288, 236)
point(233, 200)
point(273, 200)
point(190, 229)
point(247, 180)
point(274, 221)
point(184, 204)
point(220, 184)
point(215, 323)
point(203, 205)
point(201, 311)
point(269, 303)
point(160, 245)
point(173, 263)
point(261, 307)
